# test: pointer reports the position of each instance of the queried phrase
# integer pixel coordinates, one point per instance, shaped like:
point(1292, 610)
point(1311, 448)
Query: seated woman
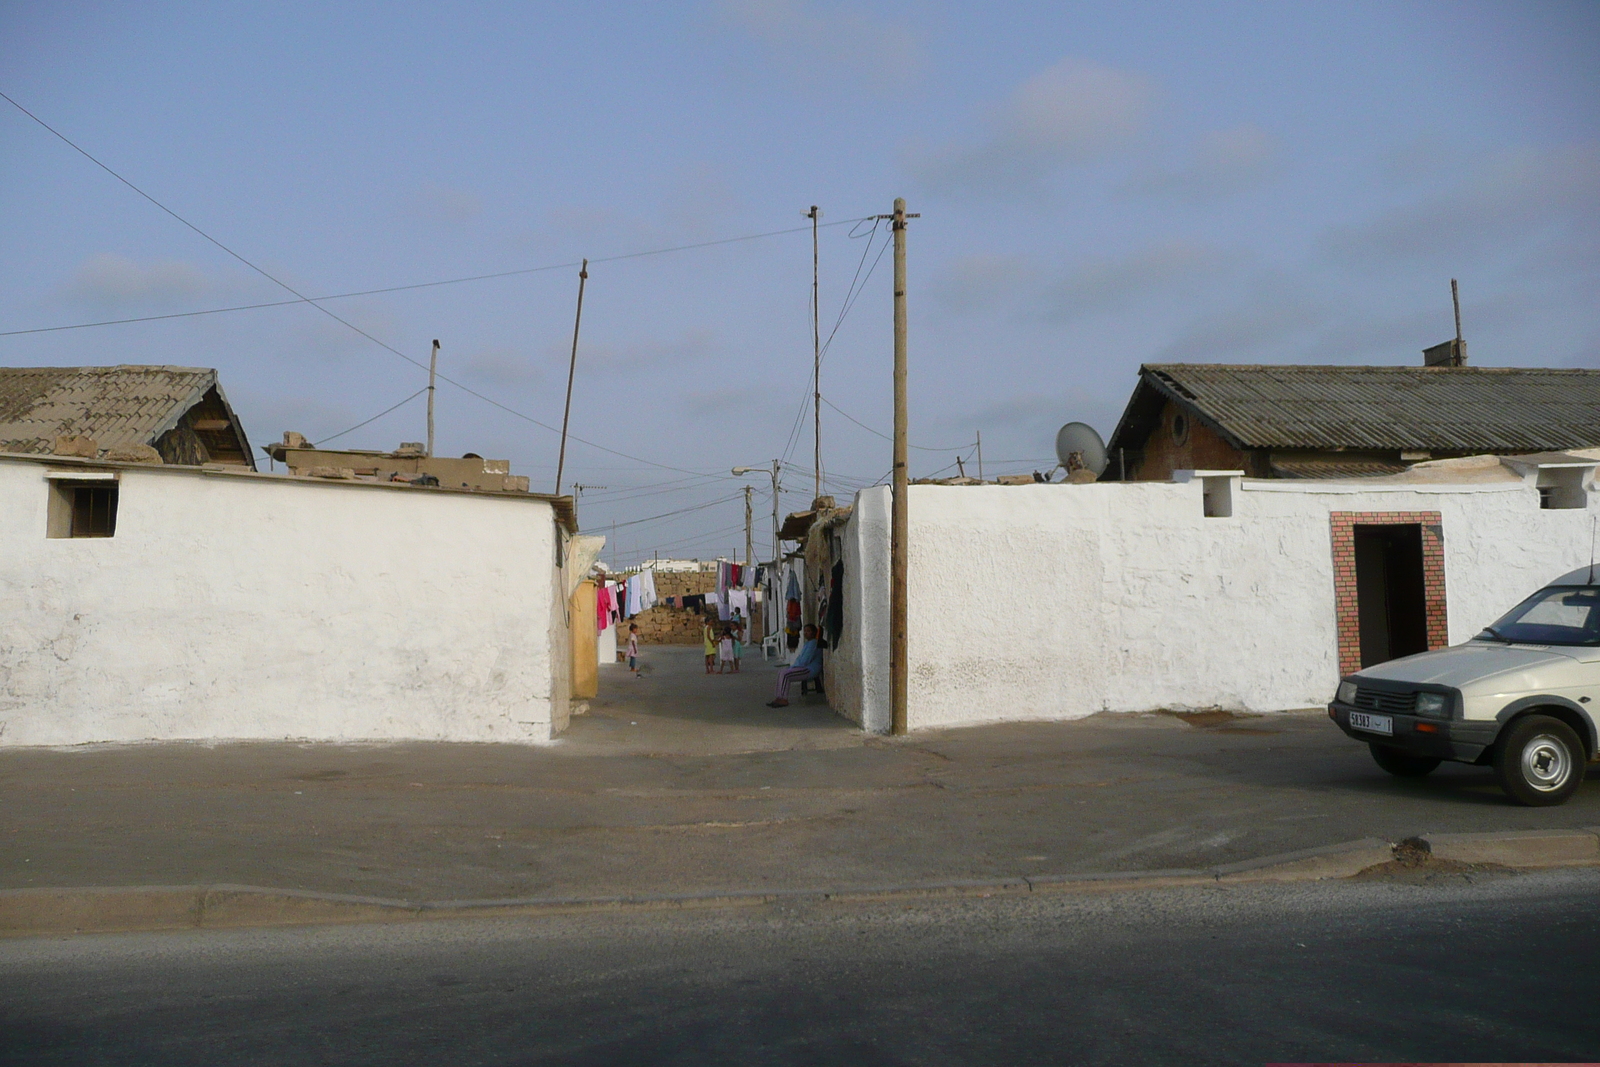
point(807, 664)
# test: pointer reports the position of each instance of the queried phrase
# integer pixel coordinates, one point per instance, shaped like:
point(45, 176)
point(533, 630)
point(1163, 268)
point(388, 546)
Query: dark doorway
point(1390, 600)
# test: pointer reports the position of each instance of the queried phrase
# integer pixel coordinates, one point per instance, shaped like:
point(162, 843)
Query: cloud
point(814, 40)
point(981, 280)
point(443, 205)
point(1224, 162)
point(717, 402)
point(1270, 314)
point(1072, 113)
point(110, 280)
point(1499, 202)
point(502, 367)
point(639, 357)
point(1174, 268)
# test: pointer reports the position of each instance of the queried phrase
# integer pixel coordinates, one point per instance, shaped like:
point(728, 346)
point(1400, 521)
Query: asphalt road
point(1458, 967)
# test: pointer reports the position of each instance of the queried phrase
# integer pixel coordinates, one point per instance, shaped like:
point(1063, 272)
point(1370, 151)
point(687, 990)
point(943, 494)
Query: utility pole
point(738, 471)
point(980, 455)
point(749, 543)
point(433, 372)
point(816, 356)
point(900, 525)
point(572, 370)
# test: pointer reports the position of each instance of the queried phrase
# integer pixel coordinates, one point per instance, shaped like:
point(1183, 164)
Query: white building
point(153, 602)
point(1055, 601)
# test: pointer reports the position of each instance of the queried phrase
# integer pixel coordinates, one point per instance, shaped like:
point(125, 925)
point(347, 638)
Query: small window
point(1180, 427)
point(1218, 498)
point(1562, 487)
point(79, 510)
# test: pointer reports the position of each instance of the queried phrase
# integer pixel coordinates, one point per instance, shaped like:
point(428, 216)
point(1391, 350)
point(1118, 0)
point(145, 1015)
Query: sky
point(1099, 185)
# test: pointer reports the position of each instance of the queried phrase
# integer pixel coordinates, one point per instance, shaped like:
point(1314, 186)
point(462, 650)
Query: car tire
point(1402, 764)
point(1539, 761)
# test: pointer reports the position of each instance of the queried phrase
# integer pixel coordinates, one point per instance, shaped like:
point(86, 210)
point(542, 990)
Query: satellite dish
point(1079, 447)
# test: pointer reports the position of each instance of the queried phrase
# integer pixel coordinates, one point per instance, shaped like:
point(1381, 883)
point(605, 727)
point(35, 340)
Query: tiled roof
point(1440, 409)
point(117, 406)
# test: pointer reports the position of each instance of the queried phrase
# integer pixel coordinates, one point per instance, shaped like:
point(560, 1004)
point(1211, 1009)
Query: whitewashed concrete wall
point(245, 606)
point(857, 672)
point(1058, 601)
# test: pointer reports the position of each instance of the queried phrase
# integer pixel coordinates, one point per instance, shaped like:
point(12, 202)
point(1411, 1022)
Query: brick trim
point(1348, 619)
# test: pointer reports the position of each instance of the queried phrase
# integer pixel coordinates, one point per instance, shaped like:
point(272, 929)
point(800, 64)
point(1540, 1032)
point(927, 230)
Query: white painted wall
point(857, 672)
point(1058, 601)
point(246, 606)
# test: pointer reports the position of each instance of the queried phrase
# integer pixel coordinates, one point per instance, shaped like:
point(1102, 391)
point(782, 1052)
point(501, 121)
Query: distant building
point(1336, 422)
point(169, 415)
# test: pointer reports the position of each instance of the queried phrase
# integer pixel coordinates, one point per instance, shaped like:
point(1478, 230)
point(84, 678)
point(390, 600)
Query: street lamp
point(739, 471)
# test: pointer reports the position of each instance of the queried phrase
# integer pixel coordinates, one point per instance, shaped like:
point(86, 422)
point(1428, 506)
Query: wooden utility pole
point(572, 370)
point(433, 372)
point(900, 525)
point(774, 514)
point(816, 356)
point(749, 542)
point(980, 455)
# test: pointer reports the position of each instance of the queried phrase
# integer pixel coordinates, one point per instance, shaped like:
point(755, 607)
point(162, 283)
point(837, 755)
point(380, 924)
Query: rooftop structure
point(172, 415)
point(1319, 421)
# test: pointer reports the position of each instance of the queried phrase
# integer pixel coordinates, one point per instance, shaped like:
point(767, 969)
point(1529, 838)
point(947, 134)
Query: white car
point(1519, 697)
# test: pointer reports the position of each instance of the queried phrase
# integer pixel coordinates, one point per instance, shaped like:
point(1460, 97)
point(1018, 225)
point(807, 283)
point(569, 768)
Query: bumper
point(1463, 742)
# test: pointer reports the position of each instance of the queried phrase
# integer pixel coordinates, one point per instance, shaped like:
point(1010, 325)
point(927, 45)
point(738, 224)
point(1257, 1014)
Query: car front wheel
point(1539, 761)
point(1402, 764)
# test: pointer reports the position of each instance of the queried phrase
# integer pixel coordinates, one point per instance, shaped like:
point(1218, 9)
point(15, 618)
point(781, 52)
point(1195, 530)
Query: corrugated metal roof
point(1441, 409)
point(1311, 468)
point(117, 406)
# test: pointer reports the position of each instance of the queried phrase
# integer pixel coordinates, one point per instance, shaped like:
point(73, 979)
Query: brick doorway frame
point(1346, 610)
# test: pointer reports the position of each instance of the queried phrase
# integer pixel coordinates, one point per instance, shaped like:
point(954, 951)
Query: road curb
point(112, 909)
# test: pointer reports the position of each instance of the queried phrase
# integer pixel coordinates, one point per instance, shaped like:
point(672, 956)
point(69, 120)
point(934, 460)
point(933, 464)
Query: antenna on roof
point(1449, 353)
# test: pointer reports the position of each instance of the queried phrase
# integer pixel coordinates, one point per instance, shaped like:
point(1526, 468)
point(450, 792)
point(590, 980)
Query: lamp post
point(741, 471)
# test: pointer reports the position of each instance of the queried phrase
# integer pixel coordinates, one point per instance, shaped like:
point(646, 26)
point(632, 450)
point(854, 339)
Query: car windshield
point(1559, 615)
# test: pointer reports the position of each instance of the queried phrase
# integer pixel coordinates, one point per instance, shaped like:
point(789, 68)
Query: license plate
point(1378, 724)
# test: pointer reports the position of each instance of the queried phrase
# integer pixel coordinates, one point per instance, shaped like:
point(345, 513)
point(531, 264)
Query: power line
point(680, 511)
point(408, 288)
point(374, 418)
point(852, 293)
point(301, 297)
point(924, 448)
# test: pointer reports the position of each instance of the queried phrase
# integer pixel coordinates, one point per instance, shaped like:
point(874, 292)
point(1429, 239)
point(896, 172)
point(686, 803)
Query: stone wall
point(664, 625)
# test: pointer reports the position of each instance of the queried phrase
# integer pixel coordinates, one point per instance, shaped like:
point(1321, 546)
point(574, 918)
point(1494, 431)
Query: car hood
point(1463, 665)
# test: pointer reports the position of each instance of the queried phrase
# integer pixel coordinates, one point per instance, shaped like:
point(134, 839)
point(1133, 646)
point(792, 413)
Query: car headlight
point(1433, 705)
point(1347, 693)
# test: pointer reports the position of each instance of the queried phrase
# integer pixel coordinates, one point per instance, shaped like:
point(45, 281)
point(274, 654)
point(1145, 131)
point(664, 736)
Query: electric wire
point(923, 448)
point(301, 297)
point(417, 285)
point(670, 514)
point(374, 418)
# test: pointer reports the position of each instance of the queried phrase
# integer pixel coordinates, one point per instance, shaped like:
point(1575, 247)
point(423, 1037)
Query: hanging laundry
point(647, 590)
point(739, 600)
point(633, 596)
point(602, 606)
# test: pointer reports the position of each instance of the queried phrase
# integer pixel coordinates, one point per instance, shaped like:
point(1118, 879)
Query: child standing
point(709, 637)
point(633, 648)
point(725, 651)
point(738, 639)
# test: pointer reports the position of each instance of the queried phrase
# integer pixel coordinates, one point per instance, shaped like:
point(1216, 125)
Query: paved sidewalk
point(678, 783)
